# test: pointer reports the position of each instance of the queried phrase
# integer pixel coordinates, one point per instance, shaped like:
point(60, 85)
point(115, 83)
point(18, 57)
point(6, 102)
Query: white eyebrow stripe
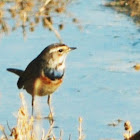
point(56, 49)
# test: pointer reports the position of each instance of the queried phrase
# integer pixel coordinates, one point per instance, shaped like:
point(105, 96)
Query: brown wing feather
point(30, 74)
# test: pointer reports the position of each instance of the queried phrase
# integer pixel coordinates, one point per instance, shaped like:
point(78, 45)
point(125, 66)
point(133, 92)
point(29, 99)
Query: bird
point(44, 75)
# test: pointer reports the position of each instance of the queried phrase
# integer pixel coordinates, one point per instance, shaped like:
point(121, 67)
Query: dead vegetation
point(27, 14)
point(128, 132)
point(25, 128)
point(129, 7)
point(137, 67)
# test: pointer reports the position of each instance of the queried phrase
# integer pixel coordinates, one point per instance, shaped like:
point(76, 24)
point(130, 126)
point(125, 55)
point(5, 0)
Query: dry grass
point(27, 14)
point(128, 135)
point(130, 7)
point(27, 129)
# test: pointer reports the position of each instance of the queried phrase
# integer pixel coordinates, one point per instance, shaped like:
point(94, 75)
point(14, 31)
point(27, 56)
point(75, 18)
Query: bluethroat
point(45, 73)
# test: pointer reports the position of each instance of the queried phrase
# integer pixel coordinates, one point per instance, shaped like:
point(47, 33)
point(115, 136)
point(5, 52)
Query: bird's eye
point(60, 50)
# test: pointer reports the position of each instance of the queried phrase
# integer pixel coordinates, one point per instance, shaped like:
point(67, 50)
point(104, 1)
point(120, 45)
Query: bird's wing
point(31, 72)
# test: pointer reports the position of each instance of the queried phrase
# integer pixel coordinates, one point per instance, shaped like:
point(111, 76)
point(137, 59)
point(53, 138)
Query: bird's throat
point(53, 73)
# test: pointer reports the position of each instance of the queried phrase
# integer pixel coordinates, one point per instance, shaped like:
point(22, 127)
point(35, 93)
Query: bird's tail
point(16, 71)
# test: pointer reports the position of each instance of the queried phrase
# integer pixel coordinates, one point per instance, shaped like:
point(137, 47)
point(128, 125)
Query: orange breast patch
point(48, 81)
point(45, 86)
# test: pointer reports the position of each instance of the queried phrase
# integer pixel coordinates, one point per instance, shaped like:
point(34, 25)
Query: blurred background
point(100, 84)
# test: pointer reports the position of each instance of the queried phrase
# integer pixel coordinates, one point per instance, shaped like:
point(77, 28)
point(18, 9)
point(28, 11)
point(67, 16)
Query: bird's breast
point(45, 86)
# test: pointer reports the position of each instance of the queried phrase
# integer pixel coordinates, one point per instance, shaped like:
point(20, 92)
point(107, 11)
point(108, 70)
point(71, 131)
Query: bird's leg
point(32, 104)
point(49, 99)
point(49, 104)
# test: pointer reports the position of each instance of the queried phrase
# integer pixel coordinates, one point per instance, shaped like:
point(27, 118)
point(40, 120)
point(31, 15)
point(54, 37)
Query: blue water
point(100, 83)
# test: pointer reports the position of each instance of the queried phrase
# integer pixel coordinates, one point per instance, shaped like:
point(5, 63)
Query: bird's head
point(55, 54)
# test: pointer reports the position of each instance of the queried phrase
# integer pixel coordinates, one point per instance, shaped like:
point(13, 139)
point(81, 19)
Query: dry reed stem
point(49, 131)
point(128, 129)
point(54, 30)
point(81, 135)
point(27, 13)
point(3, 131)
point(61, 134)
point(25, 127)
point(43, 7)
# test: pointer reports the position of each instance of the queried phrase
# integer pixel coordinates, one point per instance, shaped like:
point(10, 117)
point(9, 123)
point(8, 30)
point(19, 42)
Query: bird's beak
point(72, 48)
